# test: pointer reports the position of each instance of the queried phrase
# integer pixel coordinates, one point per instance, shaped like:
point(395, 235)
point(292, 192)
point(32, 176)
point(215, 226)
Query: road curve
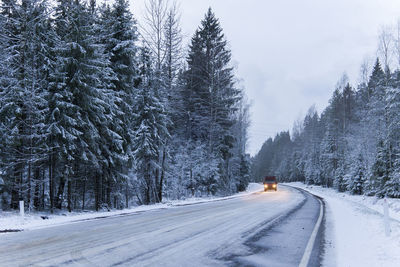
point(293, 239)
point(262, 229)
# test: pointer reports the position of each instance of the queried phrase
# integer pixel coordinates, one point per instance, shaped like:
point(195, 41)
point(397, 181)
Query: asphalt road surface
point(262, 229)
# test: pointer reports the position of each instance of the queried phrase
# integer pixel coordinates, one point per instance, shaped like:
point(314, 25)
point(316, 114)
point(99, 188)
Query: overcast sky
point(290, 54)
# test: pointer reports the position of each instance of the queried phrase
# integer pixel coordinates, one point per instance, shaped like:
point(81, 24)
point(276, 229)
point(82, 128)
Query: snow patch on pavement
point(10, 221)
point(355, 232)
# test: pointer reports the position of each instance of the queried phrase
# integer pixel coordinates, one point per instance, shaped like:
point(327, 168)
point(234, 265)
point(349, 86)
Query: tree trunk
point(96, 192)
point(51, 183)
point(109, 194)
point(191, 182)
point(16, 188)
point(104, 188)
point(69, 184)
point(60, 192)
point(36, 198)
point(29, 186)
point(100, 191)
point(42, 202)
point(160, 191)
point(75, 197)
point(155, 189)
point(83, 193)
point(126, 195)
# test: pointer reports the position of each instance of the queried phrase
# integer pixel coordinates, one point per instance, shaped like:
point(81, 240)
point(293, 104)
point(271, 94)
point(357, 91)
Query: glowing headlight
point(274, 185)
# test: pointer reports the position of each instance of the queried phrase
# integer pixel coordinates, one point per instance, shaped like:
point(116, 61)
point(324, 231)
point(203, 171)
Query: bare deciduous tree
point(385, 46)
point(397, 41)
point(156, 12)
point(365, 70)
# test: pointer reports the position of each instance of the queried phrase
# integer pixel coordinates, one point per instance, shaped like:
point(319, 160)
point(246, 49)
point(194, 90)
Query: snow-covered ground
point(356, 231)
point(13, 221)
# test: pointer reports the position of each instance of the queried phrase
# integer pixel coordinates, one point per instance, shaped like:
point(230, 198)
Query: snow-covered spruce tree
point(113, 155)
point(367, 133)
point(78, 99)
point(150, 129)
point(24, 87)
point(121, 43)
point(211, 96)
point(355, 182)
point(339, 180)
point(330, 145)
point(392, 186)
point(116, 31)
point(380, 171)
point(376, 130)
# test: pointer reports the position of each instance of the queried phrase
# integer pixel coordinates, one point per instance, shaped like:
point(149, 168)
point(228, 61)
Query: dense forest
point(98, 111)
point(354, 145)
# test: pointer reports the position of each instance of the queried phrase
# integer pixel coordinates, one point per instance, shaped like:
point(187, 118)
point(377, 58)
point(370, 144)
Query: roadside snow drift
point(355, 229)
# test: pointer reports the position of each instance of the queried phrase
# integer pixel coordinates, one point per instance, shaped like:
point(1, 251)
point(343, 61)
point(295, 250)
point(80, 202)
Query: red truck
point(270, 183)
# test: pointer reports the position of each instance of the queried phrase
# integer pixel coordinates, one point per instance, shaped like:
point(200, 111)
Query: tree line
point(354, 144)
point(99, 112)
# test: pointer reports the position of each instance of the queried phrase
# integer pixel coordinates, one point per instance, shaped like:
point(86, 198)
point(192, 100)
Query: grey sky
point(291, 53)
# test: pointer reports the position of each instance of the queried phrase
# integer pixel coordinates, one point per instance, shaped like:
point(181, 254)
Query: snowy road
point(270, 229)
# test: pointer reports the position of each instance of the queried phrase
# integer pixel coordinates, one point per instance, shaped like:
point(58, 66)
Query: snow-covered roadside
point(355, 233)
point(12, 220)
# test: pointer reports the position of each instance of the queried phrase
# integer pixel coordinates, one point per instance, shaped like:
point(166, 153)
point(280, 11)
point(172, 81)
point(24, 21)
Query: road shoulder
point(355, 230)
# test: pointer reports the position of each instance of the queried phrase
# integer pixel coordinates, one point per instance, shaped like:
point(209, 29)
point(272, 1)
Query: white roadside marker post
point(21, 208)
point(386, 217)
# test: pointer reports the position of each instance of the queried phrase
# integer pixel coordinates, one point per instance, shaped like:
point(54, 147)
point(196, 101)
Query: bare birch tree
point(397, 41)
point(155, 16)
point(385, 46)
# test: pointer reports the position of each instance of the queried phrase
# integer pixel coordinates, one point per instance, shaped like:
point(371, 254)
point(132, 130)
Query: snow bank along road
point(262, 229)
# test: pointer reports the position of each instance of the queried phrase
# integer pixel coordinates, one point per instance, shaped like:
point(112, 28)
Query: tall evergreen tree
point(79, 98)
point(24, 83)
point(210, 94)
point(119, 35)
